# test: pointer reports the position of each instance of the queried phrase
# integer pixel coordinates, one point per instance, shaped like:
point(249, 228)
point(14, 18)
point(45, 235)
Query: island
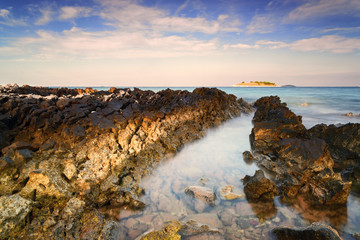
point(255, 84)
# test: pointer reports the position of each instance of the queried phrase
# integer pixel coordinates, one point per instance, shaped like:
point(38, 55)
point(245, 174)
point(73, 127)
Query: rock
point(248, 157)
point(316, 231)
point(193, 228)
point(203, 193)
point(259, 188)
point(13, 212)
point(169, 232)
point(95, 148)
point(343, 141)
point(20, 145)
point(300, 159)
point(226, 193)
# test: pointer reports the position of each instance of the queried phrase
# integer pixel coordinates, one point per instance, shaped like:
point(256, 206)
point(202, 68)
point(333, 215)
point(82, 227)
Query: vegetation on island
point(256, 83)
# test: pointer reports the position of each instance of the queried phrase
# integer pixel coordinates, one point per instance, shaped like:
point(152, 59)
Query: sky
point(179, 42)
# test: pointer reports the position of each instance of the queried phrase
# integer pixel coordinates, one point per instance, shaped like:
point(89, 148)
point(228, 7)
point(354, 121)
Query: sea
point(216, 162)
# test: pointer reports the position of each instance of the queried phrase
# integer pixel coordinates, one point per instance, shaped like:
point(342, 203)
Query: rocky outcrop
point(259, 188)
point(301, 163)
point(316, 231)
point(94, 147)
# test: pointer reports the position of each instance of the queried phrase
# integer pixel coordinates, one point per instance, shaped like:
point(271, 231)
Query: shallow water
point(216, 162)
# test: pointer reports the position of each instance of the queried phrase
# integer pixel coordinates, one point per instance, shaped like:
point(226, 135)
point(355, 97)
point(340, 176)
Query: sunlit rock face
point(301, 163)
point(82, 150)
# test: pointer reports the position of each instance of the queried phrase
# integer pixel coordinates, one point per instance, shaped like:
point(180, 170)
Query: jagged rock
point(203, 193)
point(169, 232)
point(95, 146)
point(316, 231)
point(343, 141)
point(301, 162)
point(259, 188)
point(13, 212)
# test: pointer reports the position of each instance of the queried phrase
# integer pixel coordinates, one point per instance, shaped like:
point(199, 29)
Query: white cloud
point(331, 43)
point(240, 46)
point(9, 20)
point(130, 16)
point(272, 44)
point(73, 12)
point(261, 24)
point(320, 8)
point(343, 30)
point(46, 16)
point(78, 44)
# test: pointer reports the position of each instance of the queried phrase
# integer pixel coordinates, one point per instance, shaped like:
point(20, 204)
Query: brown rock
point(259, 188)
point(203, 193)
point(316, 231)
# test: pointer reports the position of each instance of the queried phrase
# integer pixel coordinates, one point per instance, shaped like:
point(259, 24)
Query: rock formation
point(259, 188)
point(316, 231)
point(66, 153)
point(301, 163)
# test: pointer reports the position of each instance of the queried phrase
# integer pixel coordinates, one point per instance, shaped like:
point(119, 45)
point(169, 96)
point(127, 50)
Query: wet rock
point(343, 141)
point(259, 188)
point(314, 231)
point(301, 162)
point(248, 157)
point(203, 193)
point(226, 193)
point(20, 145)
point(13, 212)
point(192, 228)
point(169, 232)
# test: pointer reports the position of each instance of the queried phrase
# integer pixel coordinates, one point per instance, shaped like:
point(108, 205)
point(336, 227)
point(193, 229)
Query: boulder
point(203, 193)
point(259, 188)
point(316, 231)
point(13, 212)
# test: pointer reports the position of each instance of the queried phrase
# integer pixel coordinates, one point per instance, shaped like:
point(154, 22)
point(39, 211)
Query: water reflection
point(216, 162)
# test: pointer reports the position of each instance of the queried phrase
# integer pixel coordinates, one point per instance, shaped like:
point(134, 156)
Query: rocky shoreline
point(69, 156)
point(66, 153)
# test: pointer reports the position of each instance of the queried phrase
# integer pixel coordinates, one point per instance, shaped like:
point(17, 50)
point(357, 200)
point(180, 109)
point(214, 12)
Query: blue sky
point(179, 43)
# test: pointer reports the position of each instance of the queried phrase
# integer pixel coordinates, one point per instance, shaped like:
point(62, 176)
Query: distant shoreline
point(255, 84)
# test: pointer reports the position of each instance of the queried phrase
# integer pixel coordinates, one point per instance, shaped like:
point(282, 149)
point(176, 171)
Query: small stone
point(226, 193)
point(202, 193)
point(69, 169)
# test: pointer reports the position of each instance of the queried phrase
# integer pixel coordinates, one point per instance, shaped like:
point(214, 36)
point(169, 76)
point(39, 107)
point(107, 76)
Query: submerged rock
point(316, 231)
point(259, 188)
point(169, 232)
point(203, 193)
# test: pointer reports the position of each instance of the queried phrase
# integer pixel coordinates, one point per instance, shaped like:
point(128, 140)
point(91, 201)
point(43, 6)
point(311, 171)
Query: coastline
point(83, 154)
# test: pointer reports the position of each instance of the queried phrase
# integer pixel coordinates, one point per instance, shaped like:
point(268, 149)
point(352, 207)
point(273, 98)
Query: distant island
point(288, 86)
point(255, 84)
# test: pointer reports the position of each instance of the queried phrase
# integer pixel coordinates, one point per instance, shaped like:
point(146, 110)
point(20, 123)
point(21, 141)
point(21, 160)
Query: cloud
point(331, 43)
point(46, 16)
point(73, 12)
point(9, 20)
point(343, 30)
point(320, 8)
point(240, 46)
point(130, 16)
point(79, 44)
point(261, 24)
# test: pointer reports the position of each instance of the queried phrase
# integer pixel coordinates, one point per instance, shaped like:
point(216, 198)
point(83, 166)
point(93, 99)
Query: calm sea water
point(216, 162)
